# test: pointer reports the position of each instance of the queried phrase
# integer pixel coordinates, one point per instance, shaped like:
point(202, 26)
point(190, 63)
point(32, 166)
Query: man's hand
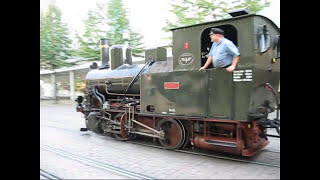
point(230, 68)
point(202, 68)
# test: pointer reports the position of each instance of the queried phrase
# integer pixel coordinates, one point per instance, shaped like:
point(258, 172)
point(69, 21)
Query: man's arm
point(234, 64)
point(209, 60)
point(233, 50)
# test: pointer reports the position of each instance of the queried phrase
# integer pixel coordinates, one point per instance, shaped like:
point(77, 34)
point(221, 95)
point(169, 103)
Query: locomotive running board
point(222, 143)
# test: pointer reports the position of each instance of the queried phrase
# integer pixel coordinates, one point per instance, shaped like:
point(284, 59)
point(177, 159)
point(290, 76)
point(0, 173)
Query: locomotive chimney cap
point(239, 12)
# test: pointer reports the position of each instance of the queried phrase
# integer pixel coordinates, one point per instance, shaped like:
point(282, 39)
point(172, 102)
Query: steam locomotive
point(171, 101)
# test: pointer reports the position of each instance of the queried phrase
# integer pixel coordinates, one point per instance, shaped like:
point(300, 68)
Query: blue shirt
point(223, 53)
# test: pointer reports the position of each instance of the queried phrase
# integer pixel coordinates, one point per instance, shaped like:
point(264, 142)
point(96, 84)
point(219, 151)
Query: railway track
point(225, 157)
point(265, 150)
point(116, 170)
point(211, 155)
point(45, 175)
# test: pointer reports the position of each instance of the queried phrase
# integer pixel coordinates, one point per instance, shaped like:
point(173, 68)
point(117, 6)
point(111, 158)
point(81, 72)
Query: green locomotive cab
point(222, 94)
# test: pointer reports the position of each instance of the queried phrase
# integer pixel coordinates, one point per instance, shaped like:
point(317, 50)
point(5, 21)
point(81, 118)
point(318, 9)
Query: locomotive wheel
point(121, 117)
point(187, 136)
point(174, 133)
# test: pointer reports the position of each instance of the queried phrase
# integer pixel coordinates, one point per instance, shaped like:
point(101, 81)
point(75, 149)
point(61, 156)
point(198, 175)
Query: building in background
point(69, 82)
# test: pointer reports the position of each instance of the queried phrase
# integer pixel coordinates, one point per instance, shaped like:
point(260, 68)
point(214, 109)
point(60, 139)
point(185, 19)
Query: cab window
point(230, 32)
point(263, 38)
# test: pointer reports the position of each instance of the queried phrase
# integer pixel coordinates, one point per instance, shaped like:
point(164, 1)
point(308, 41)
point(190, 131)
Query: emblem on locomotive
point(186, 59)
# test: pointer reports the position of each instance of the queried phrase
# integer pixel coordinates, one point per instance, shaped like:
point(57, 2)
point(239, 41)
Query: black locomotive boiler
point(172, 101)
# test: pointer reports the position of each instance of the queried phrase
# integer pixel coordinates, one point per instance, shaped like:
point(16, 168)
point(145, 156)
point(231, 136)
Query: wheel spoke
point(118, 118)
point(174, 133)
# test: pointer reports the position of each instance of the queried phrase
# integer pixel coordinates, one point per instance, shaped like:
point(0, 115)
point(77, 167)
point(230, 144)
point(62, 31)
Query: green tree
point(190, 12)
point(55, 44)
point(119, 23)
point(107, 20)
point(95, 29)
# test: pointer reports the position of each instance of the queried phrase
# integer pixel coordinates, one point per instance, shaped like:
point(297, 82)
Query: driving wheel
point(174, 133)
point(124, 134)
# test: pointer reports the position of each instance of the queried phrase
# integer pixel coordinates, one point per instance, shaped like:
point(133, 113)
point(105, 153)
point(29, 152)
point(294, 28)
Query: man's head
point(216, 34)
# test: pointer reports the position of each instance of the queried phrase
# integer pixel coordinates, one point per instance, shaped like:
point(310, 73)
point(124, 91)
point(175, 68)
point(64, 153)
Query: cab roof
point(222, 20)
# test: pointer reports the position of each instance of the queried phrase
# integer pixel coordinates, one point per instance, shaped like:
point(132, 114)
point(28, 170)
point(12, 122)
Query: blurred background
point(70, 32)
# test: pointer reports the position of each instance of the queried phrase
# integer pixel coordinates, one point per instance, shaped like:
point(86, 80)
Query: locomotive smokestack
point(104, 53)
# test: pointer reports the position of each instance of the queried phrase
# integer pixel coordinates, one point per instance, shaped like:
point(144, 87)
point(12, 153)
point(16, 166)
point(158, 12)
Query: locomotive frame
point(170, 100)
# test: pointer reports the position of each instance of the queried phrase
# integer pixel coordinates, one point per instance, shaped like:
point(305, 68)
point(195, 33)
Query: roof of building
point(85, 65)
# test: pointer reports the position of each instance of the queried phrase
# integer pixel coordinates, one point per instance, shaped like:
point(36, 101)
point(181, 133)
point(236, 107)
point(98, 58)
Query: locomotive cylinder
point(218, 145)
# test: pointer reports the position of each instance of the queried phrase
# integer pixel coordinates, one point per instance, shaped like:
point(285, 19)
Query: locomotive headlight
point(79, 99)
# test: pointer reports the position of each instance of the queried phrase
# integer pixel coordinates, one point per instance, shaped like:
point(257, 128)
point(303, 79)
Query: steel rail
point(209, 155)
point(47, 175)
point(265, 150)
point(91, 162)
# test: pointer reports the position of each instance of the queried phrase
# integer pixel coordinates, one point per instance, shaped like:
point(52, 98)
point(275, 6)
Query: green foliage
point(54, 40)
point(107, 20)
point(190, 12)
point(80, 84)
point(255, 6)
point(65, 85)
point(117, 20)
point(95, 29)
point(135, 42)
